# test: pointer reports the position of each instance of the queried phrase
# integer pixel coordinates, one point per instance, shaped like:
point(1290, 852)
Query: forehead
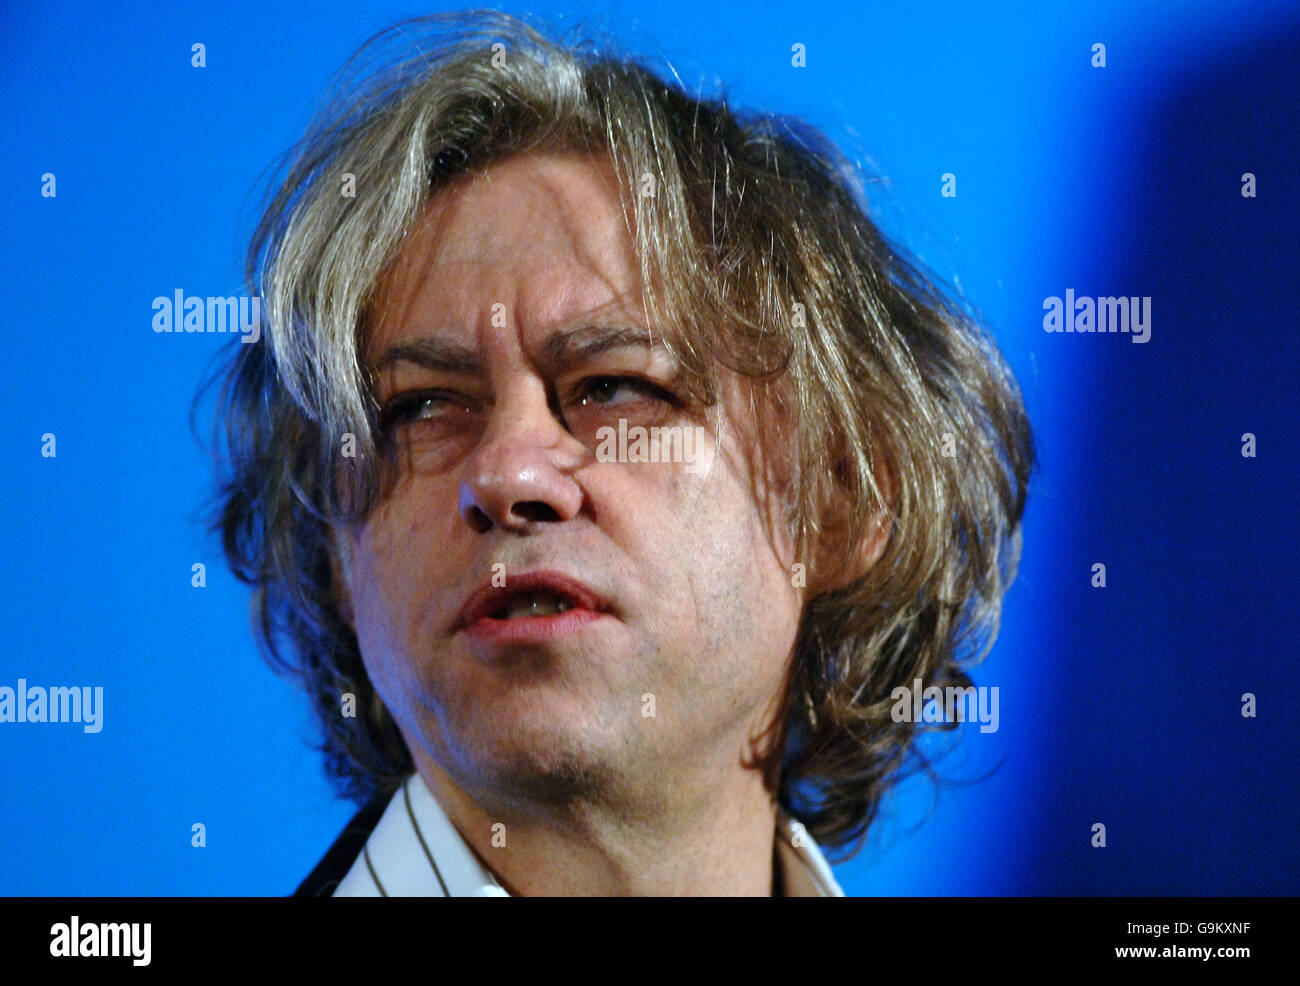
point(542, 234)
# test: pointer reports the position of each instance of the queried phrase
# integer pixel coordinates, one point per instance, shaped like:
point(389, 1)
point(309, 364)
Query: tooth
point(535, 604)
point(518, 607)
point(545, 604)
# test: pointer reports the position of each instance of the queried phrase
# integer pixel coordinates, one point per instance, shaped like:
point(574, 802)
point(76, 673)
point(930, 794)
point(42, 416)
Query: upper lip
point(488, 598)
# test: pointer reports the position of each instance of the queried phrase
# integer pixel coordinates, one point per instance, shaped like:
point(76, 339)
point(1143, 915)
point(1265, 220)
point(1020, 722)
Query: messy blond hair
point(756, 247)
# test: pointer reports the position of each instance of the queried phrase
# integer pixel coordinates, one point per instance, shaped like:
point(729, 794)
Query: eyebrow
point(433, 354)
point(562, 350)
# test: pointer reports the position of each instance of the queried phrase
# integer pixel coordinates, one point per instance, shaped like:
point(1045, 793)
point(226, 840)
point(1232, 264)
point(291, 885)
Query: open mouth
point(527, 604)
point(537, 595)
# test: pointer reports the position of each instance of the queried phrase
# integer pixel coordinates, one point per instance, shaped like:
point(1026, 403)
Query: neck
point(709, 836)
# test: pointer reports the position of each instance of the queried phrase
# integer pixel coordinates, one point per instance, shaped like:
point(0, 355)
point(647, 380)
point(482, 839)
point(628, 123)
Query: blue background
point(1118, 705)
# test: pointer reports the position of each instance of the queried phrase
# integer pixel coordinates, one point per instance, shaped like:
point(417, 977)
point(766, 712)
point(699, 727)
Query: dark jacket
point(338, 859)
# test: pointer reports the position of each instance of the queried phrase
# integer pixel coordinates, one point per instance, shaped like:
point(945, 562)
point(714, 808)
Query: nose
point(521, 473)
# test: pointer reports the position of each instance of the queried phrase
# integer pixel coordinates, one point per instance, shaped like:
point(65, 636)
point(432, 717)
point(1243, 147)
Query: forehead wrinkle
point(580, 233)
point(457, 233)
point(582, 217)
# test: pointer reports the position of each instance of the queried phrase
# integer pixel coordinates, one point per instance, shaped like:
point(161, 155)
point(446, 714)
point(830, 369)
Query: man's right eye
point(420, 405)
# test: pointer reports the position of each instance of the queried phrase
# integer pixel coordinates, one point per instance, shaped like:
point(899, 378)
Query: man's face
point(510, 331)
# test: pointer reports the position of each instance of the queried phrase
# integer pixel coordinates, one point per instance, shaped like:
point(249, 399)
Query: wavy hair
point(756, 246)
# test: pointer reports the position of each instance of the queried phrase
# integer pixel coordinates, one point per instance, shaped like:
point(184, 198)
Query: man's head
point(482, 262)
point(509, 333)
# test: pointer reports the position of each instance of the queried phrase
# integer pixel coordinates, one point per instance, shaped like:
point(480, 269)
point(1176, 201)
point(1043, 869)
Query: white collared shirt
point(415, 851)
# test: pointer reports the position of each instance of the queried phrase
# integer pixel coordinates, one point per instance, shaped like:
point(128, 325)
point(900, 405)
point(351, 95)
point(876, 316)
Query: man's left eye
point(605, 390)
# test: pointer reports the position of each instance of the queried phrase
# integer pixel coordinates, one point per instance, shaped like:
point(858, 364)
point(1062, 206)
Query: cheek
point(373, 603)
point(733, 584)
point(387, 565)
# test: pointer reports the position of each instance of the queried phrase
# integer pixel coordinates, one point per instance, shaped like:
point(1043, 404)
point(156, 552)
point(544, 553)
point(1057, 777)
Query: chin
point(539, 754)
point(542, 772)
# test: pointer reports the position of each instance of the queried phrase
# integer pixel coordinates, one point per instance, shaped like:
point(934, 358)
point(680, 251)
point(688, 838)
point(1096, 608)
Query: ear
point(838, 562)
point(339, 582)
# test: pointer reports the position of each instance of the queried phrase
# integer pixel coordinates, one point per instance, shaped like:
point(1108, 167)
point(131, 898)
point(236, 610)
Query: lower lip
point(531, 629)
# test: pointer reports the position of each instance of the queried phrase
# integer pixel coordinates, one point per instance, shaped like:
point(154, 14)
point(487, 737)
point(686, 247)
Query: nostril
point(478, 520)
point(535, 510)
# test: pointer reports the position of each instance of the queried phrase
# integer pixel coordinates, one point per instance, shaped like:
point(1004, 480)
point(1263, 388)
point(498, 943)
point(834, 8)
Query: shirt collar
point(804, 870)
point(415, 851)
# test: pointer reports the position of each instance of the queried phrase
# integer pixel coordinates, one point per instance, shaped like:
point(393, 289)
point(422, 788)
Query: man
point(604, 471)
